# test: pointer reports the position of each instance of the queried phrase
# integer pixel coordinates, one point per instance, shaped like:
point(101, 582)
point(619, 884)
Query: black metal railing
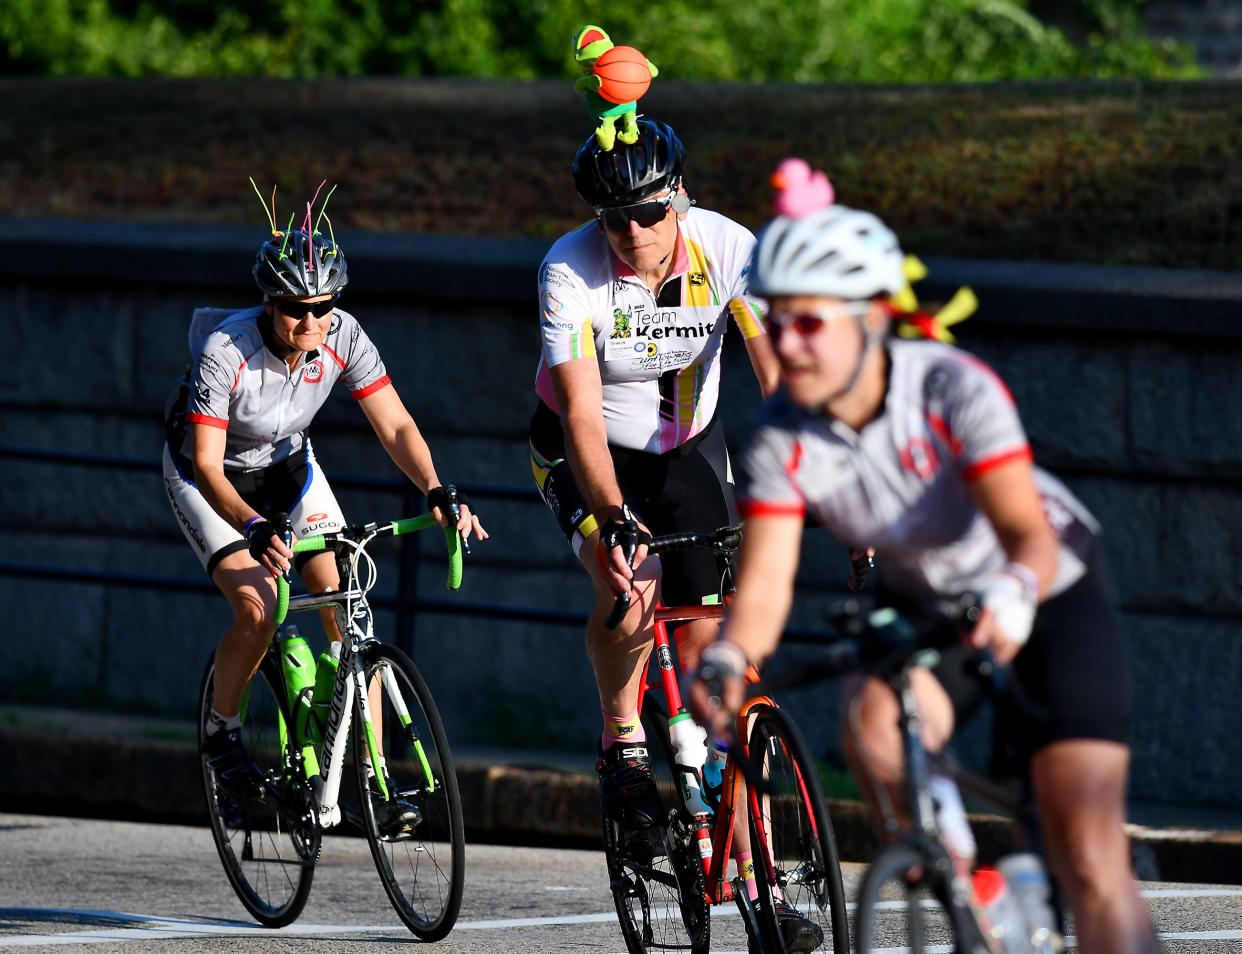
point(407, 604)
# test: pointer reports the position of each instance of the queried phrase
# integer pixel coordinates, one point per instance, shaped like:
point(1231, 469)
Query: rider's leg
point(1080, 789)
point(251, 593)
point(319, 574)
point(618, 655)
point(872, 737)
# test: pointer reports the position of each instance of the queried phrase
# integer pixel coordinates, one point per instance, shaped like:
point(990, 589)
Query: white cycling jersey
point(902, 484)
point(658, 354)
point(239, 385)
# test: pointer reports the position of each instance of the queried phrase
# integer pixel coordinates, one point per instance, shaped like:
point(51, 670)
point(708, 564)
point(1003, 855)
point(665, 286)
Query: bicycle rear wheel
point(806, 869)
point(656, 874)
point(411, 809)
point(268, 855)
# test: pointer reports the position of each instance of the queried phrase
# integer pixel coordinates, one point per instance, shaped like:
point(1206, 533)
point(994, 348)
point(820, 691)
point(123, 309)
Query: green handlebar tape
point(453, 542)
point(282, 600)
point(307, 545)
point(413, 524)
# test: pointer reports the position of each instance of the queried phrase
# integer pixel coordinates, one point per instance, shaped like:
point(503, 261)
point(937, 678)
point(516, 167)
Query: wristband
point(1026, 576)
point(722, 660)
point(250, 523)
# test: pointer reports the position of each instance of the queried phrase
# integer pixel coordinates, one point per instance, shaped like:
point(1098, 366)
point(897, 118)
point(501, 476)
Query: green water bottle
point(298, 666)
point(325, 682)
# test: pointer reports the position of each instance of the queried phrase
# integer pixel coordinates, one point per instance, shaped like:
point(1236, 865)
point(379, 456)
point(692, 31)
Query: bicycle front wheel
point(268, 856)
point(407, 787)
point(795, 833)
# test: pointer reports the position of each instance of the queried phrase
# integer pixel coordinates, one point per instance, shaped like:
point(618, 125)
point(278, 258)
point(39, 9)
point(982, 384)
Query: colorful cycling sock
point(746, 867)
point(622, 729)
point(218, 723)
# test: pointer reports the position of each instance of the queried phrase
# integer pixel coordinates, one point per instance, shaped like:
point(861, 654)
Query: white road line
point(159, 928)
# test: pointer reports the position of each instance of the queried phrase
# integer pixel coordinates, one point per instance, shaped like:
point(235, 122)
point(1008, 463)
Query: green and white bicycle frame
point(323, 769)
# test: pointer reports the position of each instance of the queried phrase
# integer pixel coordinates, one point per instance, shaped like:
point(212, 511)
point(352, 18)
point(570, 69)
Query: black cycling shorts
point(687, 489)
point(1075, 669)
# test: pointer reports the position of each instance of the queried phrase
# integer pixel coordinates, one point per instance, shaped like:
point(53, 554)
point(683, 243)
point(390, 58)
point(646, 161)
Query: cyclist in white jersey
point(916, 449)
point(238, 453)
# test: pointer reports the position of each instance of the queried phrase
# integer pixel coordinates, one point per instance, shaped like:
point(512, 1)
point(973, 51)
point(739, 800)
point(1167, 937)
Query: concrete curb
point(149, 780)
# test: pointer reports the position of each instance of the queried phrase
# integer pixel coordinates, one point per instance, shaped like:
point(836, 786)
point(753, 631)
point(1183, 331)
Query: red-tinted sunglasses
point(805, 323)
point(300, 309)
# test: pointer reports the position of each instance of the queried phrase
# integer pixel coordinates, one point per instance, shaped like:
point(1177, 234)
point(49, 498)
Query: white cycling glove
point(1013, 595)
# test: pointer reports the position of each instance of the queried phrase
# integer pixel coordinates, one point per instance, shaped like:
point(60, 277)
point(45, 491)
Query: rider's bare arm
point(1008, 498)
point(404, 443)
point(767, 564)
point(208, 459)
point(763, 360)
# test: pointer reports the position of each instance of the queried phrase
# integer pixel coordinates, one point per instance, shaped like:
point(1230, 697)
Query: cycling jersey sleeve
point(748, 313)
point(769, 474)
point(362, 370)
point(565, 316)
point(981, 420)
point(211, 382)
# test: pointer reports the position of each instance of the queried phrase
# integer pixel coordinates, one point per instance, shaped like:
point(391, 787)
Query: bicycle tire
point(422, 867)
point(269, 862)
point(800, 840)
point(655, 875)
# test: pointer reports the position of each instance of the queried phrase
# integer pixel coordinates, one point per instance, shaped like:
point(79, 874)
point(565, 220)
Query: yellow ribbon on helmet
point(961, 306)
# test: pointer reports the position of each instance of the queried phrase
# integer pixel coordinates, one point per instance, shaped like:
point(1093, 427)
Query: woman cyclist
point(916, 449)
point(238, 453)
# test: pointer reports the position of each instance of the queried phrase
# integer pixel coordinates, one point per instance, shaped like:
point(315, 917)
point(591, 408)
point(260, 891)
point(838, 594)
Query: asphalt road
point(98, 886)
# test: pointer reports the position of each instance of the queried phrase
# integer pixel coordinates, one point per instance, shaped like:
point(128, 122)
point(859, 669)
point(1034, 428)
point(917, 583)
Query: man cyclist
point(635, 305)
point(916, 449)
point(238, 453)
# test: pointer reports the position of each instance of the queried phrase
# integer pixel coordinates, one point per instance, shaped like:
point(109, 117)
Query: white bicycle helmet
point(836, 251)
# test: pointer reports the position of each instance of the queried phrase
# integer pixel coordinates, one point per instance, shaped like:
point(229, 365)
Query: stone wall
point(1126, 379)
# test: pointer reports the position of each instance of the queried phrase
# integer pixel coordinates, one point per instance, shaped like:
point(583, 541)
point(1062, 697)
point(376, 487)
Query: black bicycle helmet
point(628, 174)
point(293, 266)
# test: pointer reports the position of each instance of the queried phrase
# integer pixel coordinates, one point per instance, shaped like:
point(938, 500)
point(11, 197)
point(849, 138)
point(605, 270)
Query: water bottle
point(1000, 917)
point(689, 741)
point(713, 772)
point(1027, 879)
point(298, 666)
point(955, 831)
point(325, 682)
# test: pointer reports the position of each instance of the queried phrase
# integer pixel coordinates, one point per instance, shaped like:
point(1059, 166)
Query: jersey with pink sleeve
point(658, 354)
point(902, 484)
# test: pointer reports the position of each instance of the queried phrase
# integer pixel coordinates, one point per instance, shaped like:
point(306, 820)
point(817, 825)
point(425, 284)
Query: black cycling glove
point(259, 536)
point(444, 496)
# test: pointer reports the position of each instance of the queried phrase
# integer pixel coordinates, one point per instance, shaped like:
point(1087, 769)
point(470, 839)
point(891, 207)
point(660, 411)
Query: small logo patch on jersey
point(314, 372)
point(620, 324)
point(698, 278)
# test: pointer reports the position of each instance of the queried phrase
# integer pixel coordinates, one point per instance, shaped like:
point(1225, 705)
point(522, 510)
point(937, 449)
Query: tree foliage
point(867, 41)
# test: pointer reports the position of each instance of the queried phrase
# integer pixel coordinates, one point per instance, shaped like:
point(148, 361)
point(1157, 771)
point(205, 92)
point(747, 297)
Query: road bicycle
point(916, 863)
point(665, 879)
point(303, 732)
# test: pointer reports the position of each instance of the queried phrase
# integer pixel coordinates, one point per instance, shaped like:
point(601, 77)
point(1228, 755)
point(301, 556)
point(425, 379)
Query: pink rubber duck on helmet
point(800, 190)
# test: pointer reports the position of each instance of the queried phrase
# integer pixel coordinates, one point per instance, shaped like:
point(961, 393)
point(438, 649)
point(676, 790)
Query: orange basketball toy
point(623, 73)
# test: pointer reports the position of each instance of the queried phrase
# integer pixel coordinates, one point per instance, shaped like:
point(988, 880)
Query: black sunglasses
point(646, 214)
point(300, 309)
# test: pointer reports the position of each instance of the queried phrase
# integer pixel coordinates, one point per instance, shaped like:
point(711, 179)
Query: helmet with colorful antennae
point(301, 262)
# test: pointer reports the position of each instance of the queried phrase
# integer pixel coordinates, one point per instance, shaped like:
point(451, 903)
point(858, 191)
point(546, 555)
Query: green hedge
point(869, 41)
point(1123, 172)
